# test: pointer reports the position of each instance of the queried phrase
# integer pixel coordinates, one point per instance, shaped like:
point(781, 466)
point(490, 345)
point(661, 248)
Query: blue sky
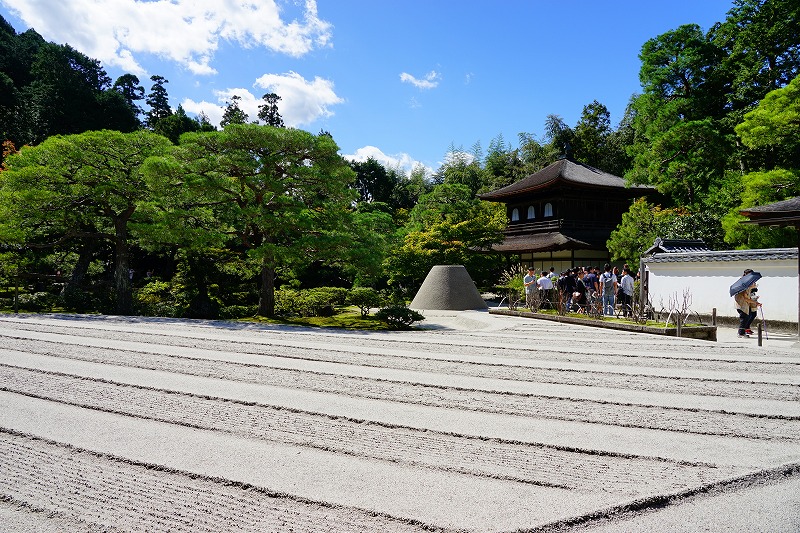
point(401, 81)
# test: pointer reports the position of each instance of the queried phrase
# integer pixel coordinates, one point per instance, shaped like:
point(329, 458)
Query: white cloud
point(402, 162)
point(184, 31)
point(248, 103)
point(302, 102)
point(430, 81)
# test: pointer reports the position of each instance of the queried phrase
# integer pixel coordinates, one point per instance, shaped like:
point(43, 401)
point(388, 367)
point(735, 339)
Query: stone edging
point(708, 333)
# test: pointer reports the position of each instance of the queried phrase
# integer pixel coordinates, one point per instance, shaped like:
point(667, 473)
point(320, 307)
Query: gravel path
point(484, 424)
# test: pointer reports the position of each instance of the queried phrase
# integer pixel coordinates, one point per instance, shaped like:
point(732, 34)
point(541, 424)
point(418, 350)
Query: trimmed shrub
point(364, 298)
point(157, 299)
point(79, 300)
point(320, 301)
point(238, 311)
point(399, 316)
point(38, 301)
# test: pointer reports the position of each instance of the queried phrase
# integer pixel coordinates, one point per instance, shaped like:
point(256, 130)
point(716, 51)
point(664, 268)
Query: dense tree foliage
point(49, 89)
point(224, 217)
point(82, 189)
point(281, 195)
point(690, 136)
point(448, 226)
point(233, 114)
point(772, 131)
point(158, 100)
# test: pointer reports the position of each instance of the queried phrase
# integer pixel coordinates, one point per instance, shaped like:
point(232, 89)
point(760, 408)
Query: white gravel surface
point(478, 423)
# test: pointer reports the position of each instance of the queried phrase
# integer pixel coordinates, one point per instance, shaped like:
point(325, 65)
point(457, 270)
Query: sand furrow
point(406, 351)
point(692, 420)
point(582, 470)
point(113, 493)
point(136, 424)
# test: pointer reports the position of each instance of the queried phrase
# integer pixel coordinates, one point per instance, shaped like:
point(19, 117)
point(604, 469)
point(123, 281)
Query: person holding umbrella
point(744, 301)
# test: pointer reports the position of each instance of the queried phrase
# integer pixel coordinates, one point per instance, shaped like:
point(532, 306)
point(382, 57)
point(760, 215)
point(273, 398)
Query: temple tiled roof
point(792, 205)
point(568, 171)
point(539, 242)
point(783, 213)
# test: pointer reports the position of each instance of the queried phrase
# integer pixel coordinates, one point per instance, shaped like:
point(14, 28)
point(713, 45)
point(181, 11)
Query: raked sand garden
point(477, 423)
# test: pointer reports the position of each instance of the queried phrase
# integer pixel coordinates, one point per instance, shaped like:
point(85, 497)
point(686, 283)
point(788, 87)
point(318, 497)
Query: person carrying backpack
point(608, 286)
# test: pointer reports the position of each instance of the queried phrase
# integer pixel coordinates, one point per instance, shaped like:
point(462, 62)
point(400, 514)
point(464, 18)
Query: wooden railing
point(554, 225)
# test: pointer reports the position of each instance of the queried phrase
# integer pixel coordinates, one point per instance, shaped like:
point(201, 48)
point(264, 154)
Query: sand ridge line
point(701, 422)
point(519, 462)
point(358, 385)
point(399, 343)
point(115, 487)
point(627, 511)
point(96, 380)
point(664, 385)
point(475, 362)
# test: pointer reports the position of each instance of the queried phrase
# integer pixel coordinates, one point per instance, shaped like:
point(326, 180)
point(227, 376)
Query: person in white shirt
point(544, 283)
point(625, 292)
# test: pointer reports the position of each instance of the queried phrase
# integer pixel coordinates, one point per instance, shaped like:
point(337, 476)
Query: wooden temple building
point(563, 215)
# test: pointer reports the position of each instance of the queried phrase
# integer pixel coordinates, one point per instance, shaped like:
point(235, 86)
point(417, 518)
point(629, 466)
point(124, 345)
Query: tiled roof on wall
point(677, 246)
point(724, 256)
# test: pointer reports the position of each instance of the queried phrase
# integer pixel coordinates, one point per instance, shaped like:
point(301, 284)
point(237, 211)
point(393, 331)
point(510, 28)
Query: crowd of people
point(580, 287)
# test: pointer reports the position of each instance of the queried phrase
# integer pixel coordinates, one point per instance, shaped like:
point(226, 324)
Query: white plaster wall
point(709, 284)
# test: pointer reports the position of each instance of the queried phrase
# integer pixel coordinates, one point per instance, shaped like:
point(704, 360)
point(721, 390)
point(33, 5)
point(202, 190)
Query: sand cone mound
point(448, 287)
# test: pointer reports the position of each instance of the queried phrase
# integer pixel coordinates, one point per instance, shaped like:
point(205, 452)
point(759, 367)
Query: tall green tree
point(461, 168)
point(132, 92)
point(449, 225)
point(591, 135)
point(282, 195)
point(761, 42)
point(374, 182)
point(65, 91)
point(268, 112)
point(503, 164)
point(158, 100)
point(233, 114)
point(772, 130)
point(680, 146)
point(82, 188)
point(536, 153)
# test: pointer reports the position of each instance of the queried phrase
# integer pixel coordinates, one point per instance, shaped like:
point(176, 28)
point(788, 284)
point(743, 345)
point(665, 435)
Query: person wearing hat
point(530, 286)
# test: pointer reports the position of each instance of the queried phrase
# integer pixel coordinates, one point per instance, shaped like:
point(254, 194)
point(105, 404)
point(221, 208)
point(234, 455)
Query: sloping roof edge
point(540, 242)
point(791, 205)
point(724, 256)
point(568, 171)
point(677, 246)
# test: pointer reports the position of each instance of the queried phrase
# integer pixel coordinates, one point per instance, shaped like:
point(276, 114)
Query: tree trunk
point(266, 301)
point(122, 274)
point(201, 304)
point(73, 293)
